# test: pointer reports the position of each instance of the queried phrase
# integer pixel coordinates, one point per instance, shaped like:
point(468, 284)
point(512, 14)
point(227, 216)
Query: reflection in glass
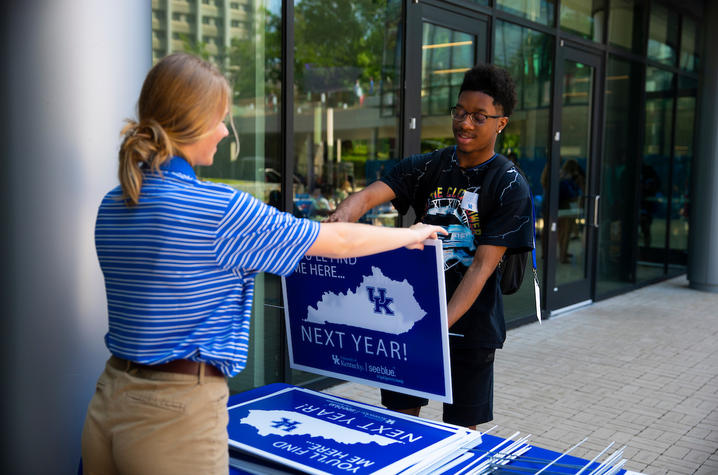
point(245, 43)
point(585, 18)
point(616, 235)
point(446, 55)
point(689, 44)
point(527, 55)
point(346, 102)
point(625, 24)
point(540, 11)
point(663, 35)
point(681, 174)
point(346, 105)
point(576, 111)
point(246, 47)
point(655, 174)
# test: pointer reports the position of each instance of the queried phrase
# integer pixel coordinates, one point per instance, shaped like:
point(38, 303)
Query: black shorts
point(472, 385)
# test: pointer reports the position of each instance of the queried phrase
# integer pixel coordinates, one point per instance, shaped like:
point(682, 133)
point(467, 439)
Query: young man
point(482, 228)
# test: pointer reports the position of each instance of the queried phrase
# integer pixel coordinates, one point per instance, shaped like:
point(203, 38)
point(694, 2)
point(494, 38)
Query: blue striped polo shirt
point(179, 267)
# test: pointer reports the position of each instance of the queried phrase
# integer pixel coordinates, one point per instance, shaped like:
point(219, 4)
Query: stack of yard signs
point(318, 433)
point(281, 429)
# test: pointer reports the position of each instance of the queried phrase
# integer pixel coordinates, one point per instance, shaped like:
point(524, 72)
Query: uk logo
point(285, 424)
point(380, 301)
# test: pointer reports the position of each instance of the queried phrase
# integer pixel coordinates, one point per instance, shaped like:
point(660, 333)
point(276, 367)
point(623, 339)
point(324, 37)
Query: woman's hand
point(424, 232)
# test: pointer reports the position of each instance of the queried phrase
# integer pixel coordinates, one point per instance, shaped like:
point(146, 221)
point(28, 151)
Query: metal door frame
point(417, 14)
point(568, 295)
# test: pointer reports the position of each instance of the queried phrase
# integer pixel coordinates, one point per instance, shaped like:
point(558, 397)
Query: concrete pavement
point(640, 369)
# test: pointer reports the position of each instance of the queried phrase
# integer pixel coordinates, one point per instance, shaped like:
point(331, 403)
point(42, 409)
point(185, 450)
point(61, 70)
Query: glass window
point(346, 104)
point(585, 18)
point(625, 19)
point(528, 56)
point(346, 101)
point(540, 11)
point(654, 176)
point(689, 45)
point(663, 35)
point(446, 55)
point(681, 174)
point(575, 157)
point(252, 65)
point(616, 234)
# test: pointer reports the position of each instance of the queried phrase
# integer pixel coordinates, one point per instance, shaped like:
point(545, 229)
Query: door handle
point(595, 210)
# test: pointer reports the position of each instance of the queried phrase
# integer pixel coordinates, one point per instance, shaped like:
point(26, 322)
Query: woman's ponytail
point(182, 100)
point(144, 145)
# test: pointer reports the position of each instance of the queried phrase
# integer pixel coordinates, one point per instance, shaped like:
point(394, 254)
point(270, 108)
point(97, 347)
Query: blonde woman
point(179, 256)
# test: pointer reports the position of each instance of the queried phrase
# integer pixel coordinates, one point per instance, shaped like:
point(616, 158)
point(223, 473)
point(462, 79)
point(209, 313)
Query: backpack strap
point(504, 165)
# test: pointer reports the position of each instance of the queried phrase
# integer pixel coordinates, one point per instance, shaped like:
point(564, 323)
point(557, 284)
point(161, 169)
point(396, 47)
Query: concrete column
point(703, 240)
point(72, 71)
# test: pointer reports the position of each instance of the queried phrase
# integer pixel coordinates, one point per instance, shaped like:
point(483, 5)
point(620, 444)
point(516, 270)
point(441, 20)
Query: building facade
point(615, 129)
point(330, 95)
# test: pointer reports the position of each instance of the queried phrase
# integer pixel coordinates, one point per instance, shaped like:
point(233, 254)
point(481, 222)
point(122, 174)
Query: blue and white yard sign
point(317, 433)
point(379, 320)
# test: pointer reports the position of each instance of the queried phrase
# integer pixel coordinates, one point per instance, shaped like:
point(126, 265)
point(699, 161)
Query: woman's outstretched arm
point(356, 240)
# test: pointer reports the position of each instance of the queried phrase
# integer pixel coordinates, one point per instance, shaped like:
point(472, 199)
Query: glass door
point(574, 197)
point(441, 47)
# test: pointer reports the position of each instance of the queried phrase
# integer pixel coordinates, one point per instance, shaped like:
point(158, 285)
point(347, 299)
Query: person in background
point(447, 193)
point(321, 205)
point(359, 93)
point(179, 257)
point(650, 200)
point(570, 189)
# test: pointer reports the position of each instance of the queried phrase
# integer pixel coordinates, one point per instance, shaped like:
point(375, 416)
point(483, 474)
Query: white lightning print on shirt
point(515, 179)
point(523, 220)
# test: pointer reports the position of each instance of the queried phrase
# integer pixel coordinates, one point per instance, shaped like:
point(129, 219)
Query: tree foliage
point(338, 42)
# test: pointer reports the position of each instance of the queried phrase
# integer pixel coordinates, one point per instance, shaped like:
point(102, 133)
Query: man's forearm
point(358, 204)
point(485, 261)
point(349, 210)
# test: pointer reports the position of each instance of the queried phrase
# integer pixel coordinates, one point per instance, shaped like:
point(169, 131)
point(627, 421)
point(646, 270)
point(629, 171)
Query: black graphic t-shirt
point(443, 193)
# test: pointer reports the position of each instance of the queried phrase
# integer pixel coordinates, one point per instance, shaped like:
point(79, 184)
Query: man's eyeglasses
point(477, 118)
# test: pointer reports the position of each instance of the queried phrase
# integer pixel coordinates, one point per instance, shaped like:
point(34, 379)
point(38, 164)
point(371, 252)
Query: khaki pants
point(142, 421)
